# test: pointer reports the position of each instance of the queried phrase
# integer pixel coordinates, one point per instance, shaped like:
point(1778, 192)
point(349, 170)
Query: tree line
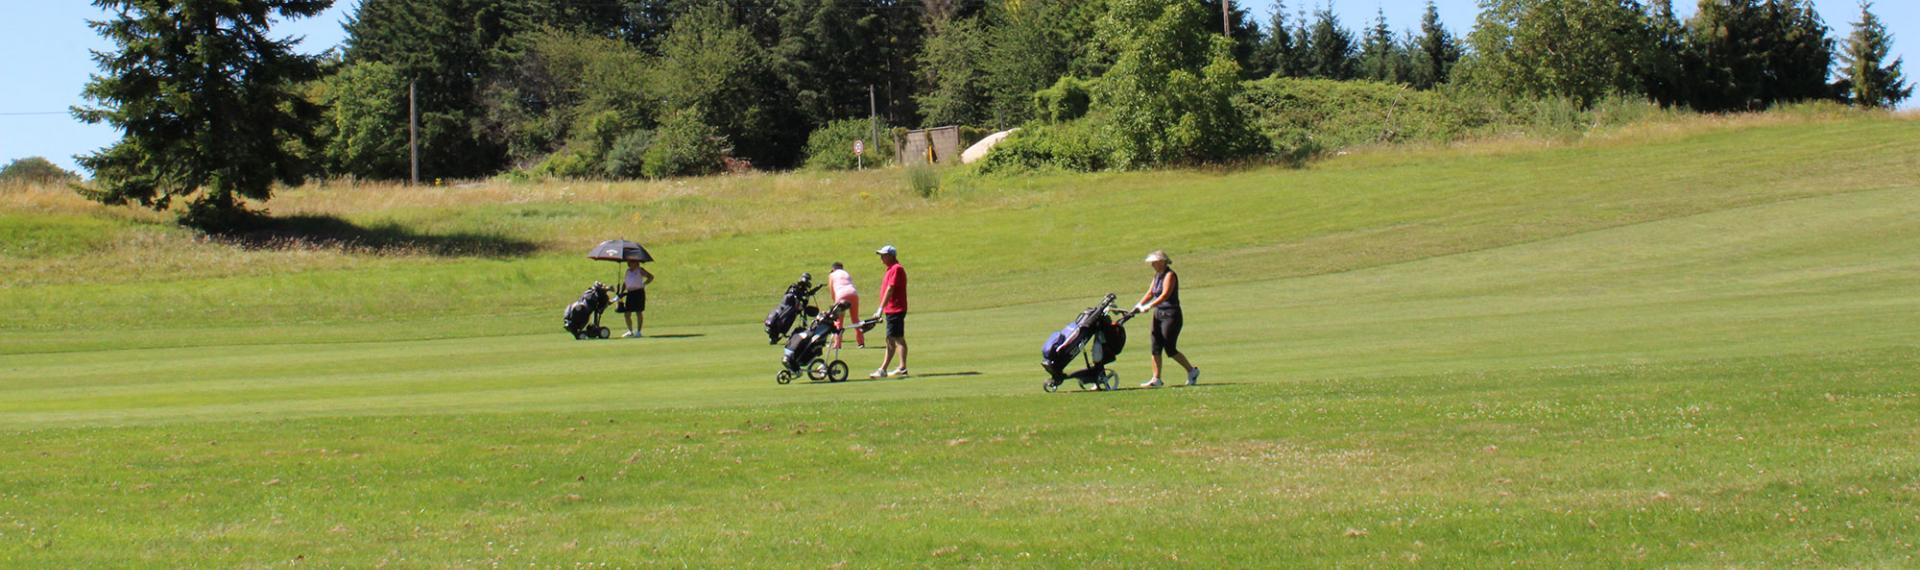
point(214, 110)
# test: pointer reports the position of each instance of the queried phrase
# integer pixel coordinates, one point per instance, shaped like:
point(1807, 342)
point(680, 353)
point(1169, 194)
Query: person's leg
point(882, 372)
point(897, 334)
point(853, 308)
point(839, 329)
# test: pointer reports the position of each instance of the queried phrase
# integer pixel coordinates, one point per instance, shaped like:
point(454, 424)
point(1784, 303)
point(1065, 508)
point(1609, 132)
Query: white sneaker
point(1154, 383)
point(881, 373)
point(897, 372)
point(1193, 376)
point(630, 334)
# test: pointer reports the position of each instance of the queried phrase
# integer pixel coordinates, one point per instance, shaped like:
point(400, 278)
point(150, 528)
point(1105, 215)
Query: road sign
point(859, 146)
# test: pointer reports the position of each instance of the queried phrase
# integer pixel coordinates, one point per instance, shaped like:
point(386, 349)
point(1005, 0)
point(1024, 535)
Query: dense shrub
point(35, 170)
point(1303, 117)
point(1066, 100)
point(627, 158)
point(830, 147)
point(1077, 146)
point(685, 145)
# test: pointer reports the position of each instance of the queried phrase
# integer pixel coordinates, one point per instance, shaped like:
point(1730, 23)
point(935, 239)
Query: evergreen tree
point(1801, 53)
point(1330, 49)
point(1279, 55)
point(952, 83)
point(204, 101)
point(1434, 53)
point(450, 48)
point(1381, 58)
point(1748, 54)
point(1663, 68)
point(830, 52)
point(1867, 82)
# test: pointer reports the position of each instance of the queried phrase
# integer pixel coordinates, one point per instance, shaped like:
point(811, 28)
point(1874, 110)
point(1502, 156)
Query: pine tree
point(952, 85)
point(1381, 58)
point(1279, 55)
point(1800, 54)
point(1330, 48)
point(205, 103)
point(1434, 53)
point(1868, 83)
point(1663, 68)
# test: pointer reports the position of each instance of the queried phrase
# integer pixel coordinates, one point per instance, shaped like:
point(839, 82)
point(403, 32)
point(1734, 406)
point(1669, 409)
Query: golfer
point(893, 306)
point(843, 292)
point(1163, 296)
point(633, 298)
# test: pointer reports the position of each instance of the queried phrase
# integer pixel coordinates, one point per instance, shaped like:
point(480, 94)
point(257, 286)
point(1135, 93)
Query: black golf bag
point(582, 318)
point(1094, 337)
point(806, 347)
point(795, 307)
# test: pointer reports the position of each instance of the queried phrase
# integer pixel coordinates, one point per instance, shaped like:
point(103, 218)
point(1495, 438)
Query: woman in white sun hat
point(1163, 296)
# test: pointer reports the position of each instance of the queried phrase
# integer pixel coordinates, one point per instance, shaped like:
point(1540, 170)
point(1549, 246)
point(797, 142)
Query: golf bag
point(582, 318)
point(805, 349)
point(796, 306)
point(1094, 337)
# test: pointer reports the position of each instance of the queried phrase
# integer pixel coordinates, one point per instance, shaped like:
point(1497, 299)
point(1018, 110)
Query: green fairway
point(1682, 344)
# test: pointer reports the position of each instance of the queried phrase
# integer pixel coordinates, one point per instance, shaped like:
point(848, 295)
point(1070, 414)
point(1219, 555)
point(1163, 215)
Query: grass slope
point(1689, 346)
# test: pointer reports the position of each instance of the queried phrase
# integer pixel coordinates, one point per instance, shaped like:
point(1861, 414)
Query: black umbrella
point(619, 250)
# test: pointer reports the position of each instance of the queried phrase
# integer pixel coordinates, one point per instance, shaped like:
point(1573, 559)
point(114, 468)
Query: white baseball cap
point(887, 250)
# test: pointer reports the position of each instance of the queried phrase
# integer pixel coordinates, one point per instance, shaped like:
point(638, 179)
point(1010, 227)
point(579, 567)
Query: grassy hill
point(1689, 342)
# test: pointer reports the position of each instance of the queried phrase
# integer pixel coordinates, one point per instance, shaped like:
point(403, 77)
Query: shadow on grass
point(1063, 387)
point(329, 232)
point(899, 379)
point(691, 335)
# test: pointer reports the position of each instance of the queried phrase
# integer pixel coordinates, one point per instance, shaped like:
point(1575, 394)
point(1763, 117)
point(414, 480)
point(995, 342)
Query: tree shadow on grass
point(893, 379)
point(329, 232)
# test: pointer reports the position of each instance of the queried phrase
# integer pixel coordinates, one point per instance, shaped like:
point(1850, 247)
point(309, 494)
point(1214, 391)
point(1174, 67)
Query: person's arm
point(1166, 288)
point(646, 276)
point(885, 290)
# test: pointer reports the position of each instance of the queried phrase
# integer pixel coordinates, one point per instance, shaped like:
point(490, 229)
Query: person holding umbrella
point(633, 298)
point(633, 286)
point(893, 306)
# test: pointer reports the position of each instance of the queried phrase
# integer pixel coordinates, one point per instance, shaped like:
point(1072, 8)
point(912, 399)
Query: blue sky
point(46, 60)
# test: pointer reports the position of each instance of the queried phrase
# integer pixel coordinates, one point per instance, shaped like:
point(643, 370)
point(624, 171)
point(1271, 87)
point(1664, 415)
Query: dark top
point(1173, 299)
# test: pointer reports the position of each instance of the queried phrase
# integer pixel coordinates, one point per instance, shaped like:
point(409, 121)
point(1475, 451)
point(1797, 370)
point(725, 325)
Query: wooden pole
point(413, 128)
point(1226, 18)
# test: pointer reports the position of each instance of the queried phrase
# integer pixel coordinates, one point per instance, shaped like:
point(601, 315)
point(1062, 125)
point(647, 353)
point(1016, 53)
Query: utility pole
point(873, 113)
point(1226, 18)
point(413, 128)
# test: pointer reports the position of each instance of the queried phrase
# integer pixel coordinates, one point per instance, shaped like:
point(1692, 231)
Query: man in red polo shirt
point(893, 306)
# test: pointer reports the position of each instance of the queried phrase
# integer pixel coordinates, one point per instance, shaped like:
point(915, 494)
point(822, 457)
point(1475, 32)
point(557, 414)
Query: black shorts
point(633, 302)
point(1166, 331)
point(896, 325)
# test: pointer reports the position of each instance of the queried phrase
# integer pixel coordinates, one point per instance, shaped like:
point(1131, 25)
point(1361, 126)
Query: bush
point(685, 145)
point(627, 158)
point(1077, 146)
point(1066, 100)
point(830, 147)
point(1301, 118)
point(35, 170)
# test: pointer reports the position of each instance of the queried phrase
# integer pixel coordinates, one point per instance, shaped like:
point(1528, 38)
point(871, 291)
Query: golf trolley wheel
point(783, 377)
point(837, 372)
point(1049, 386)
point(817, 370)
point(604, 333)
point(1109, 380)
